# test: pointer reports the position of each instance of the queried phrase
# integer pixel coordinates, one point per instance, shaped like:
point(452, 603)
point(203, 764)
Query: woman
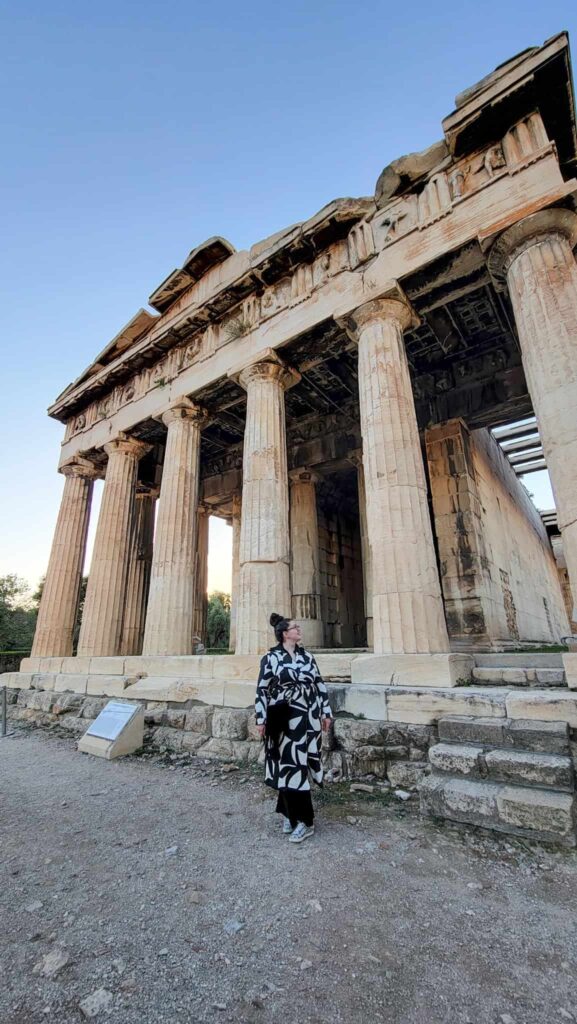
point(291, 707)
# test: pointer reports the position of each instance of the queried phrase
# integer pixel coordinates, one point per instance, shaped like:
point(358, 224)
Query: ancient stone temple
point(346, 394)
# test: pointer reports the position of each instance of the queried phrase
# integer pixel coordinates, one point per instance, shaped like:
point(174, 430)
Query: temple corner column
point(54, 632)
point(534, 260)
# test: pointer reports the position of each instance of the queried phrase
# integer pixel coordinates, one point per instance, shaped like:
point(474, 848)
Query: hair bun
point(275, 619)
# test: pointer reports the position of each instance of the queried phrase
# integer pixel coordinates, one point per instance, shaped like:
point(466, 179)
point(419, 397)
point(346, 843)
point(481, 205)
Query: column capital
point(303, 475)
point(283, 375)
point(127, 446)
point(392, 305)
point(528, 232)
point(78, 466)
point(185, 409)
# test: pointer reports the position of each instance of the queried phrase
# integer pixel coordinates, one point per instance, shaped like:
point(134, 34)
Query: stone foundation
point(354, 747)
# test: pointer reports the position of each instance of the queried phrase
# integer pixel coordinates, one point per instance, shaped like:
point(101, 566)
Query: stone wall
point(498, 571)
point(354, 747)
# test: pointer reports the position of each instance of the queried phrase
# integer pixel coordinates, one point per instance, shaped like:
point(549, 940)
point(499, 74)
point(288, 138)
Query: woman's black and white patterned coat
point(296, 679)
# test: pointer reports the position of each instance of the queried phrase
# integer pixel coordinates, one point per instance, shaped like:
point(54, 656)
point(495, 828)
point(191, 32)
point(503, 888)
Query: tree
point(218, 620)
point(17, 617)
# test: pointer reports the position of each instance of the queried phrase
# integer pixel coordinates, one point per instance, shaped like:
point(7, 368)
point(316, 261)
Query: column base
point(313, 632)
point(570, 666)
point(412, 669)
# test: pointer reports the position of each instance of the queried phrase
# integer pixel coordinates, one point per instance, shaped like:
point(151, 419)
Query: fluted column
point(407, 605)
point(366, 550)
point(59, 604)
point(102, 617)
point(264, 584)
point(304, 539)
point(536, 258)
point(201, 578)
point(139, 566)
point(235, 523)
point(171, 598)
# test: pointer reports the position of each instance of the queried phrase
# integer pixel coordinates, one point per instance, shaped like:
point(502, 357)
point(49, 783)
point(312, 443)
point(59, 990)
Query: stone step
point(549, 659)
point(520, 810)
point(517, 767)
point(513, 733)
point(502, 675)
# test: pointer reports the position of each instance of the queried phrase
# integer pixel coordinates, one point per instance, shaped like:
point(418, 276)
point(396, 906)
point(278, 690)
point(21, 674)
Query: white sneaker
point(286, 827)
point(302, 832)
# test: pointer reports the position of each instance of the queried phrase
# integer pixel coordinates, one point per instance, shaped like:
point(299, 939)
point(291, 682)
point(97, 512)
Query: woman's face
point(293, 632)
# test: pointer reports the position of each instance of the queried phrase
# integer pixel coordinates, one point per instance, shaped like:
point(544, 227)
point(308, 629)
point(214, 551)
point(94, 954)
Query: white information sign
point(112, 720)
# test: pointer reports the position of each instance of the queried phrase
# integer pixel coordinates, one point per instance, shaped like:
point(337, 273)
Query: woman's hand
point(326, 723)
point(261, 731)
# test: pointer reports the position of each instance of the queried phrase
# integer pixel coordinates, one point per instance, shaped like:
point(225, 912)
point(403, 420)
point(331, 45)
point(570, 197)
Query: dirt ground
point(169, 886)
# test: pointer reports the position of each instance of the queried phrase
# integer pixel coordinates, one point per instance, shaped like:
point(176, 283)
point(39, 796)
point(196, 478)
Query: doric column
point(171, 598)
point(264, 584)
point(235, 523)
point(59, 604)
point(407, 606)
point(365, 548)
point(536, 259)
point(101, 628)
point(304, 542)
point(201, 574)
point(139, 566)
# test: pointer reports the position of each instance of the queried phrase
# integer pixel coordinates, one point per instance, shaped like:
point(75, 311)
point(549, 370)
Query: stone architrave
point(59, 604)
point(264, 578)
point(536, 259)
point(305, 571)
point(169, 616)
point(139, 566)
point(201, 574)
point(102, 618)
point(407, 605)
point(235, 522)
point(357, 459)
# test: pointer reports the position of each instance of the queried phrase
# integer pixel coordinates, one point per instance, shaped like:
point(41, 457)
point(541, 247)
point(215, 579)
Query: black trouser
point(296, 806)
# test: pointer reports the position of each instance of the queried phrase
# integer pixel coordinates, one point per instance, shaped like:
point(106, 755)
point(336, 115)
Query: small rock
point(97, 1002)
point(506, 1018)
point(163, 952)
point(360, 787)
point(119, 965)
point(351, 820)
point(33, 907)
point(257, 1001)
point(305, 965)
point(565, 1014)
point(474, 885)
point(401, 794)
point(232, 927)
point(229, 768)
point(52, 963)
point(171, 851)
point(219, 1006)
point(315, 905)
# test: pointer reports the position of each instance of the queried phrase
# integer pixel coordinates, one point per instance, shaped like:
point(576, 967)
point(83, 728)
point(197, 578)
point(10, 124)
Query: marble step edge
point(514, 767)
point(540, 814)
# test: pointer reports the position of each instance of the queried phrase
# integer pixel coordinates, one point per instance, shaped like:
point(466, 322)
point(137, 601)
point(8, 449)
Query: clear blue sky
point(133, 131)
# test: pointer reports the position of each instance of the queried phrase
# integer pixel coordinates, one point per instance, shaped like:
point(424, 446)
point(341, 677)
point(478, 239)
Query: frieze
point(523, 144)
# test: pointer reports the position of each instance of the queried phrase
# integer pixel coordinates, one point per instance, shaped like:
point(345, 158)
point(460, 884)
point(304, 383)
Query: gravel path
point(171, 889)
